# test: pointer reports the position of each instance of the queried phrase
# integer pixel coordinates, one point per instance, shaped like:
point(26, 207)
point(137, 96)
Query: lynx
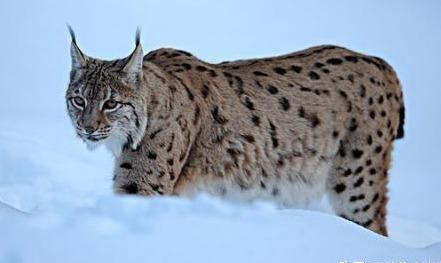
point(287, 129)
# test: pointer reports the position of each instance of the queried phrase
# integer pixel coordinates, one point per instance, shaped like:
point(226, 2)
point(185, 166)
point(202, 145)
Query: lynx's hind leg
point(357, 186)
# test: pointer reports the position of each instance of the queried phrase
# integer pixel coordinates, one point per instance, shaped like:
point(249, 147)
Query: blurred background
point(35, 64)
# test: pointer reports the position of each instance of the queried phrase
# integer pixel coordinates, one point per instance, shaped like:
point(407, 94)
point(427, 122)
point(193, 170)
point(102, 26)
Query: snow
point(50, 212)
point(56, 203)
point(202, 230)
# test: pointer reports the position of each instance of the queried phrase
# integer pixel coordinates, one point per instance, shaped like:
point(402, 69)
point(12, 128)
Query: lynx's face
point(103, 100)
point(100, 106)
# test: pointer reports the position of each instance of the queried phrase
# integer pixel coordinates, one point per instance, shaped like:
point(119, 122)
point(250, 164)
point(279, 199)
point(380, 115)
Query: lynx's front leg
point(155, 165)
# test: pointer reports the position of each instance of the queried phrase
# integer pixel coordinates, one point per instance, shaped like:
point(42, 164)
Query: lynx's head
point(104, 98)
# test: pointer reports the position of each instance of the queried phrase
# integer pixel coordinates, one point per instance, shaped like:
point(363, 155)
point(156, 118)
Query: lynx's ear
point(132, 68)
point(78, 58)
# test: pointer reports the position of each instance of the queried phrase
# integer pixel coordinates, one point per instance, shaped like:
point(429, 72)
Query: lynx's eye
point(78, 102)
point(110, 105)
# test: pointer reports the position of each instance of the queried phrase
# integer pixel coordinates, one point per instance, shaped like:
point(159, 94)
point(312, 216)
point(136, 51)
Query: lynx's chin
point(115, 142)
point(91, 145)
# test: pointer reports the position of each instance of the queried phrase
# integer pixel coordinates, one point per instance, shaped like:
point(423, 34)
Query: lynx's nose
point(89, 129)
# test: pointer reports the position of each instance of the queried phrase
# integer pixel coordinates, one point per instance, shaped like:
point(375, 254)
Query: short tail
point(400, 131)
point(392, 76)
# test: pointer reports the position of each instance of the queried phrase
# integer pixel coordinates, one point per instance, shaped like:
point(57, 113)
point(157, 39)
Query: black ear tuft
point(72, 34)
point(138, 36)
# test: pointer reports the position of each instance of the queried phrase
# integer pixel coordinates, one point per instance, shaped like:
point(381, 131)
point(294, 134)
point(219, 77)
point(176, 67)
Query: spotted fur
point(287, 129)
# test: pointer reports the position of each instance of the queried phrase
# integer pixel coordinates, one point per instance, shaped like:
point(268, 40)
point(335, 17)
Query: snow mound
point(51, 213)
point(127, 229)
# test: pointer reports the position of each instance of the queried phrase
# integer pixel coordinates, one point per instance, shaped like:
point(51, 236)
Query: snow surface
point(56, 203)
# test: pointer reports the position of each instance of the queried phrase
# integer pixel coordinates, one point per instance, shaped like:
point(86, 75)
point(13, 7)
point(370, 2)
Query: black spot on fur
point(280, 70)
point(197, 114)
point(131, 188)
point(314, 119)
point(372, 114)
point(370, 139)
point(273, 134)
point(249, 103)
point(248, 137)
point(343, 94)
point(305, 89)
point(400, 131)
point(189, 93)
point(154, 187)
point(356, 153)
point(201, 68)
point(301, 112)
point(126, 166)
point(172, 175)
point(239, 85)
point(347, 172)
point(234, 153)
point(213, 73)
point(153, 134)
point(362, 92)
point(151, 155)
point(319, 65)
point(260, 73)
point(367, 223)
point(358, 170)
point(351, 59)
point(272, 90)
point(378, 149)
point(255, 119)
point(186, 66)
point(379, 133)
point(380, 99)
point(366, 207)
point(334, 61)
point(339, 188)
point(284, 103)
point(217, 116)
point(205, 91)
point(258, 84)
point(359, 182)
point(341, 150)
point(375, 198)
point(313, 75)
point(296, 69)
point(227, 74)
point(170, 161)
point(353, 125)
